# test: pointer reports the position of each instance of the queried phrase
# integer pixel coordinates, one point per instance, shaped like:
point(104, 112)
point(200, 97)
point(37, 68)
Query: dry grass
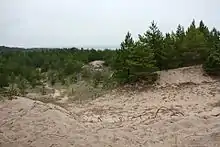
point(45, 99)
point(83, 92)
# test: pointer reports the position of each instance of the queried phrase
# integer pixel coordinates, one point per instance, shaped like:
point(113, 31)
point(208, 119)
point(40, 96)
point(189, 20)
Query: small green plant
point(22, 85)
point(12, 91)
point(86, 73)
point(97, 78)
point(43, 89)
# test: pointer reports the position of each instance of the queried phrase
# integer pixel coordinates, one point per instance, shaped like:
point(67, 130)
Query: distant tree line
point(136, 60)
point(54, 65)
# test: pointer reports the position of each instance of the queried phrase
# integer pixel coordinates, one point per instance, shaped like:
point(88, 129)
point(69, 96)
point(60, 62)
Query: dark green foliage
point(4, 80)
point(194, 47)
point(171, 54)
point(22, 85)
point(214, 37)
point(155, 51)
point(136, 60)
point(58, 65)
point(212, 64)
point(180, 33)
point(52, 78)
point(72, 67)
point(142, 63)
point(204, 29)
point(153, 39)
point(120, 65)
point(128, 42)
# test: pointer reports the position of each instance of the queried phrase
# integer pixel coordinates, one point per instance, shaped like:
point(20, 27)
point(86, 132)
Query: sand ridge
point(180, 110)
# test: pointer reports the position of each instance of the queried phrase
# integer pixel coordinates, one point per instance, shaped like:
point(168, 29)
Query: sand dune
point(179, 111)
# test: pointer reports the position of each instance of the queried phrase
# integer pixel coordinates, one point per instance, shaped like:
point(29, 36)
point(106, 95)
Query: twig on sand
point(174, 111)
point(52, 145)
point(140, 115)
point(216, 115)
point(99, 118)
point(194, 135)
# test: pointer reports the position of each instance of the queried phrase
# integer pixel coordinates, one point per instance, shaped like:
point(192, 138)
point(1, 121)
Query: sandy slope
point(177, 111)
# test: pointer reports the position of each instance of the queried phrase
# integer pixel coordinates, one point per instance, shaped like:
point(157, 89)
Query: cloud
point(67, 23)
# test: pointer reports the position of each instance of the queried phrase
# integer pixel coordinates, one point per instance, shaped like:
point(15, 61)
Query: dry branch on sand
point(173, 110)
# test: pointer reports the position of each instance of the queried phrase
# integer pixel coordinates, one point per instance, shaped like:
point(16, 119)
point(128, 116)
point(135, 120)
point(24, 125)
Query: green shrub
point(22, 85)
point(212, 64)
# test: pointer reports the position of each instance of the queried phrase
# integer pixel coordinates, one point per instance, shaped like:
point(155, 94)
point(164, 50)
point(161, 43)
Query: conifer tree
point(180, 33)
point(134, 62)
point(120, 65)
point(142, 64)
point(172, 56)
point(153, 39)
point(204, 29)
point(214, 37)
point(212, 64)
point(194, 48)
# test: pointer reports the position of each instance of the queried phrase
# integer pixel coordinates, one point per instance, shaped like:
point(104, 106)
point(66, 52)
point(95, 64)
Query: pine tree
point(204, 29)
point(194, 47)
point(214, 37)
point(22, 85)
point(180, 33)
point(142, 64)
point(128, 42)
point(193, 24)
point(134, 61)
point(179, 38)
point(212, 64)
point(172, 57)
point(120, 64)
point(153, 39)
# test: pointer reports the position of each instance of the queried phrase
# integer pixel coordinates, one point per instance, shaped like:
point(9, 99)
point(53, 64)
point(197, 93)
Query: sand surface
point(181, 110)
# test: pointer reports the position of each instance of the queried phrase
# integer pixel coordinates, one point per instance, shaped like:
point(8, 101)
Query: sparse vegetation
point(136, 60)
point(212, 64)
point(83, 91)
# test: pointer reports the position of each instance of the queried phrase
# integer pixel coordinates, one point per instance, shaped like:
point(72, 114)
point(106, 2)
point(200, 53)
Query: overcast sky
point(95, 23)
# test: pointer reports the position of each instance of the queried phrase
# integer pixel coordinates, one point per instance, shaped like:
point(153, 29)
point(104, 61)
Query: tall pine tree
point(194, 48)
point(134, 62)
point(172, 57)
point(212, 64)
point(120, 63)
point(204, 29)
point(153, 39)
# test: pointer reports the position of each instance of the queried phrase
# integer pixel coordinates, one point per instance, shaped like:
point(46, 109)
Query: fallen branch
point(169, 109)
point(216, 115)
point(140, 115)
point(99, 119)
